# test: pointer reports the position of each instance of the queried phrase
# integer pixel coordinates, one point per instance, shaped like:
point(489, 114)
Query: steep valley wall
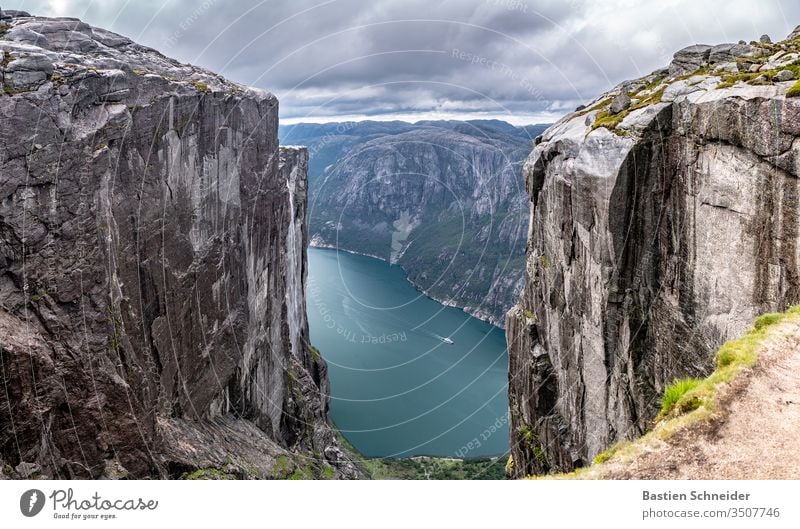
point(658, 232)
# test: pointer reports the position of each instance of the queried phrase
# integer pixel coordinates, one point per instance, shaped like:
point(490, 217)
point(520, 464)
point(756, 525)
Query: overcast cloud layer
point(524, 61)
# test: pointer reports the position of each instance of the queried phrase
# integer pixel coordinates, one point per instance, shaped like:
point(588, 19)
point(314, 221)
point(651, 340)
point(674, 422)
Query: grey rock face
point(784, 75)
point(723, 53)
point(689, 59)
point(152, 235)
point(620, 103)
point(442, 199)
point(646, 252)
point(8, 14)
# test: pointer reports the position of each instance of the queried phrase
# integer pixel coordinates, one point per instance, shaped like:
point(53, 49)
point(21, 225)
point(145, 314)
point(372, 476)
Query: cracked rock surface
point(152, 263)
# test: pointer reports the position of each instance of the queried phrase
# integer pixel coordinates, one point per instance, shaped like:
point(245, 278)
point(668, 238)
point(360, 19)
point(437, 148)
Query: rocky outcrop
point(440, 198)
point(657, 233)
point(152, 263)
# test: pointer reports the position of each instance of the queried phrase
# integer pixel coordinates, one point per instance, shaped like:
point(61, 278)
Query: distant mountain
point(444, 199)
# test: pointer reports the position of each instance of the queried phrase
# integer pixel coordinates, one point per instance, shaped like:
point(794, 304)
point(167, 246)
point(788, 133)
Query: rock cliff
point(664, 219)
point(440, 198)
point(152, 263)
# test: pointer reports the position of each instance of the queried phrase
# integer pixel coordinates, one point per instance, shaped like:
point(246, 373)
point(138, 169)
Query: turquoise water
point(397, 389)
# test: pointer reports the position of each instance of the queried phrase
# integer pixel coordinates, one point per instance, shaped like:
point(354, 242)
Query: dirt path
point(759, 436)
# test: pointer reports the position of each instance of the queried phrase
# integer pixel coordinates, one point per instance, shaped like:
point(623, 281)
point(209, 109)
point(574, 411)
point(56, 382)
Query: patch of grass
point(526, 434)
point(529, 314)
point(4, 27)
point(597, 106)
point(207, 474)
point(610, 452)
point(58, 79)
point(794, 91)
point(200, 86)
point(608, 120)
point(282, 467)
point(732, 79)
point(315, 354)
point(300, 474)
point(652, 99)
point(545, 261)
point(705, 70)
point(675, 392)
point(38, 296)
point(657, 81)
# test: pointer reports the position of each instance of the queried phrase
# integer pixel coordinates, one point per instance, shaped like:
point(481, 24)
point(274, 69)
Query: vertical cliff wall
point(664, 218)
point(152, 262)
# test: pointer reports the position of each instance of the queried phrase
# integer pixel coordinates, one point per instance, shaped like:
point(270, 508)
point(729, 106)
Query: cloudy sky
point(525, 61)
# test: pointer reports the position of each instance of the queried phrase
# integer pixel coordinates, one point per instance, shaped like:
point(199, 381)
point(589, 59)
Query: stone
point(27, 470)
point(765, 39)
point(780, 60)
point(8, 14)
point(690, 59)
point(754, 68)
point(729, 67)
point(784, 75)
point(620, 103)
point(723, 53)
point(720, 53)
point(153, 322)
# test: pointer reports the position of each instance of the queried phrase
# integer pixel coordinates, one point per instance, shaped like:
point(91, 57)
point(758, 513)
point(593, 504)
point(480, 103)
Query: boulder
point(720, 53)
point(620, 103)
point(27, 72)
point(690, 59)
point(765, 39)
point(8, 14)
point(784, 75)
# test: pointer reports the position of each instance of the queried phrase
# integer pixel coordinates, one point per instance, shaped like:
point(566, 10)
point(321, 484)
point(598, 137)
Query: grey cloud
point(528, 58)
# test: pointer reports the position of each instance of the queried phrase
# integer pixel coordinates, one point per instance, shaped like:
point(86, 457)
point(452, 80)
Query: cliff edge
point(664, 219)
point(152, 269)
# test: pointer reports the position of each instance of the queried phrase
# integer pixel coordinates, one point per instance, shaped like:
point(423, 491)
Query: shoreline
point(474, 313)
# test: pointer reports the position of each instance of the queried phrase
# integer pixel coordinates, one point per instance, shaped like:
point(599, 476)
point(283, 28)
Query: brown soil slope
point(756, 435)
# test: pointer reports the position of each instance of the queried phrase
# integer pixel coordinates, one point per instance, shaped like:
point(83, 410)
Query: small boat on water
point(448, 341)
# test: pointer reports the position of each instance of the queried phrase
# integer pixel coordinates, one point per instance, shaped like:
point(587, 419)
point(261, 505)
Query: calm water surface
point(397, 388)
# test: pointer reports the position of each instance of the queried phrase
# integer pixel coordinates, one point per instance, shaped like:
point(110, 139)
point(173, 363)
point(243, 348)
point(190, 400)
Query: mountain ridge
point(388, 173)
